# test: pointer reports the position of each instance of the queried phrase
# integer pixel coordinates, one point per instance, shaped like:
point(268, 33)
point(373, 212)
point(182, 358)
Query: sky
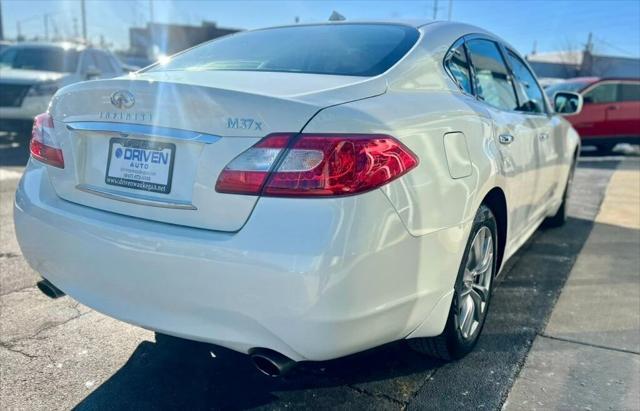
point(547, 25)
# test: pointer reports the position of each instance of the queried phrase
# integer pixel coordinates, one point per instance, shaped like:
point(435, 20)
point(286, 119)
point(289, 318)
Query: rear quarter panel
point(427, 198)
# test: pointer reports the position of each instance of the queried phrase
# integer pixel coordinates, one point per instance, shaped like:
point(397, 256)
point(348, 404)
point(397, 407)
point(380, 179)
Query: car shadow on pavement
point(180, 374)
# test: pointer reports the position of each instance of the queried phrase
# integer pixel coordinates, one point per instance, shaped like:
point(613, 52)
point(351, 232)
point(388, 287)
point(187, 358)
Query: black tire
point(451, 344)
point(560, 217)
point(605, 148)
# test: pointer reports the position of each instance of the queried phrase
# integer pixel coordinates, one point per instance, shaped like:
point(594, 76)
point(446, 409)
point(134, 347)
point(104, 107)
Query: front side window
point(629, 92)
point(529, 93)
point(340, 49)
point(602, 94)
point(457, 64)
point(493, 83)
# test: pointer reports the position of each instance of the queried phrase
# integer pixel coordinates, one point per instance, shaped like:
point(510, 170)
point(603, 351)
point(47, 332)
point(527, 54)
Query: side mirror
point(92, 73)
point(567, 103)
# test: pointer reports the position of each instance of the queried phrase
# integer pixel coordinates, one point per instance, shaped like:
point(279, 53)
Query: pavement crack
point(8, 255)
point(362, 391)
point(51, 325)
point(19, 290)
point(47, 326)
point(603, 347)
point(424, 383)
point(11, 348)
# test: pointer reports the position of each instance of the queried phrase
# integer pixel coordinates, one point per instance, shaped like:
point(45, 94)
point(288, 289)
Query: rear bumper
point(313, 281)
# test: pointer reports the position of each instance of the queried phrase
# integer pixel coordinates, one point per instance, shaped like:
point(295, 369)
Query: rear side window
point(458, 66)
point(529, 93)
point(102, 62)
point(602, 93)
point(342, 49)
point(629, 92)
point(493, 83)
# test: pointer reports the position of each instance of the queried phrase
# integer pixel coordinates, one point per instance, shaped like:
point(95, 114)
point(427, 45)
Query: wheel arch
point(496, 200)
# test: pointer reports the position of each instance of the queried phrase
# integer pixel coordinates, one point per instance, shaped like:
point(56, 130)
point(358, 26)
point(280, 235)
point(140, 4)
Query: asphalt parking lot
point(58, 354)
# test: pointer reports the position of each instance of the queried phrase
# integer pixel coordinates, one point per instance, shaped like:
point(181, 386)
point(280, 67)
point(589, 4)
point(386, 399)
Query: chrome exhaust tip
point(270, 362)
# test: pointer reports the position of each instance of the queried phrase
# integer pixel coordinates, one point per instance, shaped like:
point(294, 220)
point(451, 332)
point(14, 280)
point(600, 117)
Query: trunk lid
point(157, 149)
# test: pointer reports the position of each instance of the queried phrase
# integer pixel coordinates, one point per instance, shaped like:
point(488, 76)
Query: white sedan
point(31, 73)
point(300, 193)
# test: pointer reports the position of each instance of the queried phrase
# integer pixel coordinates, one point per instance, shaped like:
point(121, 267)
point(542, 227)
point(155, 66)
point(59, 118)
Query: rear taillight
point(43, 144)
point(312, 165)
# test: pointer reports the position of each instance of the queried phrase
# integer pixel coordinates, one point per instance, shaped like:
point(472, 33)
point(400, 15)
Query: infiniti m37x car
point(300, 193)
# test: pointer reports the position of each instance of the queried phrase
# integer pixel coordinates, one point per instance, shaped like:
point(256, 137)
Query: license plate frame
point(139, 184)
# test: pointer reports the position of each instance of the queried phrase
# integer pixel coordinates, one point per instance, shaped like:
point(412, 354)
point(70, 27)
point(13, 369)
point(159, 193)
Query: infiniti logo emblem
point(123, 99)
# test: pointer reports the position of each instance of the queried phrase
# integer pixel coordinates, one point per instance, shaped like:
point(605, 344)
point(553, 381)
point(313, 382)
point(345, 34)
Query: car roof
point(60, 45)
point(416, 23)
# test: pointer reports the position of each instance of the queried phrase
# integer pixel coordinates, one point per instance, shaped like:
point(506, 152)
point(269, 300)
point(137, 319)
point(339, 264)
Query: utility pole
point(1, 32)
point(84, 20)
point(589, 46)
point(450, 9)
point(19, 32)
point(75, 28)
point(151, 11)
point(46, 26)
point(435, 9)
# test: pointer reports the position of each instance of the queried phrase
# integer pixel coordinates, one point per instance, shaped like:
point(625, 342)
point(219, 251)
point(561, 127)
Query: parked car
point(31, 73)
point(611, 112)
point(302, 192)
point(4, 44)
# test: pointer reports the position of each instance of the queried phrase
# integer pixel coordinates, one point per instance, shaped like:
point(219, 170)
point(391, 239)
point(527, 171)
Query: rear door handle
point(505, 138)
point(613, 108)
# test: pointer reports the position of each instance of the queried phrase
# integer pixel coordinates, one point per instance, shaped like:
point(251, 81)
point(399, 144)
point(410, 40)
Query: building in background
point(158, 39)
point(555, 66)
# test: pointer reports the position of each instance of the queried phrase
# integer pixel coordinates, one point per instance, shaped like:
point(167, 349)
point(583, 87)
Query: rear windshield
point(341, 49)
point(39, 58)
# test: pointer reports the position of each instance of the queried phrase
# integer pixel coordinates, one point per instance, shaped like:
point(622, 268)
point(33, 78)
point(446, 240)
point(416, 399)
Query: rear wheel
point(472, 293)
point(605, 148)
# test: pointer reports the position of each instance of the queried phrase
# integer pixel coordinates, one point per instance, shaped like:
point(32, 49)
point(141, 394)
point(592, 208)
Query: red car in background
point(611, 111)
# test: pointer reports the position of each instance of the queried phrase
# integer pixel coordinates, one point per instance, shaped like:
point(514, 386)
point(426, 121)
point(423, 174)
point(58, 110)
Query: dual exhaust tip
point(268, 362)
point(271, 363)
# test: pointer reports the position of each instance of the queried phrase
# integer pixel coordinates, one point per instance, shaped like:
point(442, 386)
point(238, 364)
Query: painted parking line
point(9, 174)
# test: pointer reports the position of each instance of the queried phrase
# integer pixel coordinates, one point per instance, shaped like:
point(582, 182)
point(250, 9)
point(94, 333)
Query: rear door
point(514, 132)
point(533, 106)
point(623, 116)
point(598, 99)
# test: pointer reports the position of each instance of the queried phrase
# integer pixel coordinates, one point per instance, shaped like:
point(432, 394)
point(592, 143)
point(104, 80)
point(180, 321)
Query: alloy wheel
point(473, 295)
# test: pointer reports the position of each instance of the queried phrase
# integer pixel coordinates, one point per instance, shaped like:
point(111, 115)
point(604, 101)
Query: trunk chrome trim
point(125, 129)
point(135, 199)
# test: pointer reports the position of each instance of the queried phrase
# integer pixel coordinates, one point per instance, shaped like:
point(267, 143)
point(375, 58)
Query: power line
point(613, 46)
